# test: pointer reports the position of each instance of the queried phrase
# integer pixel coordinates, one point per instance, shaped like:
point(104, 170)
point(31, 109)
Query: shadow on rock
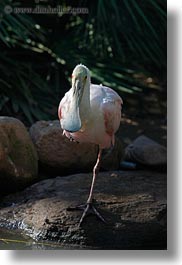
point(133, 203)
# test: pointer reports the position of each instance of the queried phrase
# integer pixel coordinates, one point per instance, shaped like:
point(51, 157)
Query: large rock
point(146, 152)
point(57, 153)
point(18, 157)
point(133, 204)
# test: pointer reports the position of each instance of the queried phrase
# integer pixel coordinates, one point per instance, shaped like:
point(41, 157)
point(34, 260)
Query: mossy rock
point(18, 157)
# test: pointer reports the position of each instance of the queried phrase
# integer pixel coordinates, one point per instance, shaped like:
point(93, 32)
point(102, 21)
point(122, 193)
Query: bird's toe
point(88, 209)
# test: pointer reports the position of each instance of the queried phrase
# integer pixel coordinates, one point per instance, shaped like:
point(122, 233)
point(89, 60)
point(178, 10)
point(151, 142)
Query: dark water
point(14, 240)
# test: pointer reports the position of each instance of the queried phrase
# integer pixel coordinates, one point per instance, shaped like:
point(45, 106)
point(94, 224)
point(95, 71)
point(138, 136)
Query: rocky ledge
point(133, 203)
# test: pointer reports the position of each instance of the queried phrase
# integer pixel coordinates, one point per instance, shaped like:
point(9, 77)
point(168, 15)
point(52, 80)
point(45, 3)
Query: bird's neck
point(85, 101)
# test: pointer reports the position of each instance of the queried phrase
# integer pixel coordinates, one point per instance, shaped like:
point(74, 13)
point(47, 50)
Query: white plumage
point(99, 112)
point(90, 113)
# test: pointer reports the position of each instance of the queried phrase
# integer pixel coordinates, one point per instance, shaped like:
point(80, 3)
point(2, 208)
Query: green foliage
point(115, 40)
point(17, 29)
point(132, 30)
point(21, 88)
point(24, 89)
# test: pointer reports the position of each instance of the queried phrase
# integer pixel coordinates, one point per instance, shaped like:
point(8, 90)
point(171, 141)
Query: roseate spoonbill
point(90, 113)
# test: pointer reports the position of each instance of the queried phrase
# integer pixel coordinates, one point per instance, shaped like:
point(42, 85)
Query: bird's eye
point(85, 77)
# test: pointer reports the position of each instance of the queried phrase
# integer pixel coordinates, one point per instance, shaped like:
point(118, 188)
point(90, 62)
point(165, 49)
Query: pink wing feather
point(111, 107)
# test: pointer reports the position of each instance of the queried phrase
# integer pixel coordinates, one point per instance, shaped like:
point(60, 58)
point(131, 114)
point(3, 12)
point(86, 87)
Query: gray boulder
point(133, 204)
point(58, 153)
point(18, 157)
point(147, 152)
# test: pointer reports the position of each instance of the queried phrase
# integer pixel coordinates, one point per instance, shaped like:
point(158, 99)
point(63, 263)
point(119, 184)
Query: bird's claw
point(73, 140)
point(87, 208)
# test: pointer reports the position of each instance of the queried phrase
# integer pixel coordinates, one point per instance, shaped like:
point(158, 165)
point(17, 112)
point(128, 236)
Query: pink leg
point(89, 207)
point(95, 173)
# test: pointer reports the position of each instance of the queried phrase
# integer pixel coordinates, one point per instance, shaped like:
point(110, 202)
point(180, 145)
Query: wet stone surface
point(133, 203)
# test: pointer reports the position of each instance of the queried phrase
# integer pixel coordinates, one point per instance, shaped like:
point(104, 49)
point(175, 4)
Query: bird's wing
point(110, 103)
point(59, 111)
point(63, 105)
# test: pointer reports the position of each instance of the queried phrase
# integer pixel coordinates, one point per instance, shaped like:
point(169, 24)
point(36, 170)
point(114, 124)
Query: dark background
point(122, 42)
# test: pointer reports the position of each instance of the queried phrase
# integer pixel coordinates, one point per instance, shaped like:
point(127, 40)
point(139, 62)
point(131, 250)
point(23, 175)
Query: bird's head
point(80, 80)
point(80, 76)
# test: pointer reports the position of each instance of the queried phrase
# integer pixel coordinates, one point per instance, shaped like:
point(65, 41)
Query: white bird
point(90, 113)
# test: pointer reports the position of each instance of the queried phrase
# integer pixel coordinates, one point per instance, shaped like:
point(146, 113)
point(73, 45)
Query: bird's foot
point(73, 140)
point(87, 209)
